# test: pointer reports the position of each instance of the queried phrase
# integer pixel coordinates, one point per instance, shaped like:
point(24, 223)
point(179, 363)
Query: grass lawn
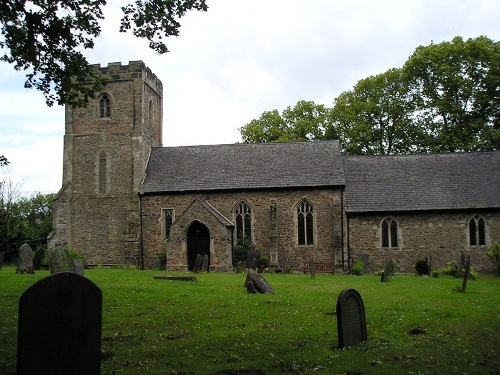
point(415, 325)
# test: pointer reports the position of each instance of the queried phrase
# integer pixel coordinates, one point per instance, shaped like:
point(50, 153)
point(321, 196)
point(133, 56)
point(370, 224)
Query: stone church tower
point(106, 148)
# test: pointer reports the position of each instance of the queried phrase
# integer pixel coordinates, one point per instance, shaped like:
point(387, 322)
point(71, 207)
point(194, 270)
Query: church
point(126, 200)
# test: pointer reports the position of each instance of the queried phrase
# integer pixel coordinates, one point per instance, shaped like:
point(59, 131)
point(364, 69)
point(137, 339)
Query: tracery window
point(243, 219)
point(168, 219)
point(305, 222)
point(105, 106)
point(477, 231)
point(390, 229)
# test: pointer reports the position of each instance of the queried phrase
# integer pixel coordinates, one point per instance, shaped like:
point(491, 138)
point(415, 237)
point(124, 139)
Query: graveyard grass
point(150, 326)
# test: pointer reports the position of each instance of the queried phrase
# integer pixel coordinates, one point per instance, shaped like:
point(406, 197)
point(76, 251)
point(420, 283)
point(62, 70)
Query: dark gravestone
point(466, 273)
point(387, 270)
point(312, 267)
point(351, 321)
point(38, 258)
point(204, 263)
point(254, 265)
point(366, 264)
point(197, 263)
point(25, 261)
point(2, 254)
point(60, 261)
point(60, 319)
point(259, 283)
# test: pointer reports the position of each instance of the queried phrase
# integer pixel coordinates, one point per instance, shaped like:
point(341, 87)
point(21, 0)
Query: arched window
point(105, 106)
point(103, 172)
point(305, 222)
point(390, 233)
point(243, 219)
point(477, 231)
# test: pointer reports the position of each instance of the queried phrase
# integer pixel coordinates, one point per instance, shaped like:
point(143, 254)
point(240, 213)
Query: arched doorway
point(198, 242)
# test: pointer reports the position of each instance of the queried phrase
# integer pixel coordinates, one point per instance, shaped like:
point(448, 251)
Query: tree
point(3, 161)
point(305, 122)
point(10, 191)
point(458, 84)
point(378, 117)
point(45, 38)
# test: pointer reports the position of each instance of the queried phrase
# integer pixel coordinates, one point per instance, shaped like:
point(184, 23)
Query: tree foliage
point(45, 39)
point(445, 98)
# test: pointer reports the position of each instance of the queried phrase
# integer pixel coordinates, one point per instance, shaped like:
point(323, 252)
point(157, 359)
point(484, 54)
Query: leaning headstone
point(351, 320)
point(387, 270)
point(60, 320)
point(259, 282)
point(466, 273)
point(204, 263)
point(25, 261)
point(312, 267)
point(197, 263)
point(60, 261)
point(365, 259)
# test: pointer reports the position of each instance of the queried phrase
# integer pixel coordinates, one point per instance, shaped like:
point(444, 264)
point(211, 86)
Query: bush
point(494, 255)
point(263, 262)
point(357, 268)
point(422, 267)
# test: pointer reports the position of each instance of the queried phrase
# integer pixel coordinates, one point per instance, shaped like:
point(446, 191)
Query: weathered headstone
point(366, 264)
point(259, 282)
point(38, 258)
point(197, 263)
point(204, 264)
point(312, 267)
point(25, 261)
point(79, 265)
point(429, 265)
point(60, 320)
point(387, 270)
point(466, 273)
point(351, 320)
point(60, 261)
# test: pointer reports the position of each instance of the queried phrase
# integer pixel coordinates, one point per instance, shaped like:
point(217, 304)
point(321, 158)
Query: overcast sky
point(238, 60)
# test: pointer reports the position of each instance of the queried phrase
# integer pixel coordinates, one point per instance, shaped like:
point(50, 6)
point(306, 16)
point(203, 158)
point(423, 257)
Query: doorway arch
point(198, 242)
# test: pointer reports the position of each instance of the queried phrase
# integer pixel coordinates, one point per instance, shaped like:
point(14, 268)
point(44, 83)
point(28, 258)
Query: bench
point(320, 267)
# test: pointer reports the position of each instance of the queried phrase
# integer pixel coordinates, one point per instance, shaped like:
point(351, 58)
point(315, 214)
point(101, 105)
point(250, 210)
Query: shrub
point(494, 255)
point(357, 268)
point(422, 267)
point(263, 262)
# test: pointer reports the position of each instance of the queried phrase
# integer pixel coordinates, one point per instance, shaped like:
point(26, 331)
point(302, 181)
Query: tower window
point(105, 106)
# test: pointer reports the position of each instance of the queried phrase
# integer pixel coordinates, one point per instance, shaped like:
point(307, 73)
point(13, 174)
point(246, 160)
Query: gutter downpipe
point(342, 225)
point(141, 241)
point(348, 242)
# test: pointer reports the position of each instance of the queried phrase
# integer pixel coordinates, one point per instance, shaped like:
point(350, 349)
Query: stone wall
point(440, 235)
point(327, 223)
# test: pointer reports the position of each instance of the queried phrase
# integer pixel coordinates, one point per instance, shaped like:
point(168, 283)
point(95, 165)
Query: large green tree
point(458, 87)
point(45, 38)
point(306, 121)
point(378, 117)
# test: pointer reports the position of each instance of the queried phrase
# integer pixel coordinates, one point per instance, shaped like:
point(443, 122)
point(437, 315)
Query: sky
point(236, 61)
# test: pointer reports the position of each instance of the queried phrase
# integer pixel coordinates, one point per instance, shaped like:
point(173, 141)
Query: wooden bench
point(320, 267)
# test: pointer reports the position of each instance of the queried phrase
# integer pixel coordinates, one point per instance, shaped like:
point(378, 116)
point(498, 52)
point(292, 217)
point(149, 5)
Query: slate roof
point(243, 166)
point(422, 182)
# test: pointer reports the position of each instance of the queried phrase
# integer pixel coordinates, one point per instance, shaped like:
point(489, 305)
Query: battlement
point(115, 71)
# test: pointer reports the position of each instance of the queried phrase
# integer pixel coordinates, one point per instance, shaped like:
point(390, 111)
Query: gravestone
point(38, 258)
point(466, 273)
point(351, 320)
point(79, 266)
point(25, 261)
point(197, 263)
point(312, 267)
point(60, 320)
point(259, 283)
point(204, 264)
point(254, 264)
point(365, 259)
point(2, 254)
point(387, 270)
point(60, 261)
point(429, 265)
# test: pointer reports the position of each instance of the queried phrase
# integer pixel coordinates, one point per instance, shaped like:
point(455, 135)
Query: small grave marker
point(204, 264)
point(387, 270)
point(25, 261)
point(60, 261)
point(312, 268)
point(366, 262)
point(351, 320)
point(466, 273)
point(197, 263)
point(60, 320)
